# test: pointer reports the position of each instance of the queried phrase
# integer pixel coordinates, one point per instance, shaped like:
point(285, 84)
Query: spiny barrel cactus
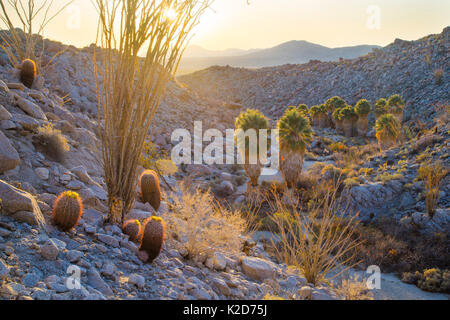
point(395, 106)
point(388, 130)
point(362, 109)
point(348, 117)
point(132, 228)
point(67, 210)
point(295, 134)
point(250, 119)
point(338, 121)
point(380, 107)
point(150, 188)
point(28, 72)
point(153, 232)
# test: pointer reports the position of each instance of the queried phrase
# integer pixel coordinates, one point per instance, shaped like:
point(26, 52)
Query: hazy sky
point(265, 23)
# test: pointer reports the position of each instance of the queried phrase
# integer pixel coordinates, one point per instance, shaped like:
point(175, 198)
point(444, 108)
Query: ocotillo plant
point(250, 120)
point(141, 47)
point(294, 135)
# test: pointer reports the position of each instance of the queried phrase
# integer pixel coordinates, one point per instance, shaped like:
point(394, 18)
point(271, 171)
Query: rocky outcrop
point(9, 158)
point(21, 205)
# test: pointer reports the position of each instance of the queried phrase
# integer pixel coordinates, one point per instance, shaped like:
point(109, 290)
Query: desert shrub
point(52, 142)
point(318, 243)
point(432, 280)
point(153, 158)
point(385, 177)
point(431, 175)
point(203, 225)
point(337, 147)
point(354, 288)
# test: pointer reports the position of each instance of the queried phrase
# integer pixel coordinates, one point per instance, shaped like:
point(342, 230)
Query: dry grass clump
point(51, 142)
point(354, 288)
point(318, 242)
point(431, 175)
point(203, 225)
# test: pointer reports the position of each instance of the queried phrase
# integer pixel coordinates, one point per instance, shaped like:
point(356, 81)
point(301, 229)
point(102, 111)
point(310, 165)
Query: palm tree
point(250, 119)
point(338, 122)
point(362, 109)
point(348, 117)
point(314, 111)
point(303, 108)
point(323, 116)
point(295, 134)
point(380, 107)
point(332, 104)
point(388, 130)
point(396, 104)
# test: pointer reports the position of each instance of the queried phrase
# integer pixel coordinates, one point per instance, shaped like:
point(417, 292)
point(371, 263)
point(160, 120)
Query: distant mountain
point(292, 52)
point(195, 51)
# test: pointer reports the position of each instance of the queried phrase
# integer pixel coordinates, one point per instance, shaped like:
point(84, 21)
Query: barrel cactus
point(388, 130)
point(28, 72)
point(248, 120)
point(380, 107)
point(295, 134)
point(362, 109)
point(153, 232)
point(348, 117)
point(67, 210)
point(150, 188)
point(132, 228)
point(396, 105)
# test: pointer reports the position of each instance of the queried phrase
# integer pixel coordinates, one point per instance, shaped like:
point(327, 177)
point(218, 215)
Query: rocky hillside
point(410, 68)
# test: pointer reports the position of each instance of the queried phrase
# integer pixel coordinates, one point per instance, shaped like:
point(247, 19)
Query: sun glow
point(171, 14)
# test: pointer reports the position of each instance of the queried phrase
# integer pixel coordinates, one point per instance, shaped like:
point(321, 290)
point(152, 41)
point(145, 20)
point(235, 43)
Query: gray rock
point(42, 173)
point(109, 240)
point(137, 280)
point(257, 268)
point(4, 270)
point(50, 250)
point(18, 201)
point(31, 280)
point(30, 108)
point(96, 281)
point(9, 158)
point(4, 114)
point(221, 286)
point(74, 256)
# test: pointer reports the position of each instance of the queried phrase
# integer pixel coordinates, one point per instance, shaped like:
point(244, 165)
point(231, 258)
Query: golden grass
point(318, 242)
point(205, 226)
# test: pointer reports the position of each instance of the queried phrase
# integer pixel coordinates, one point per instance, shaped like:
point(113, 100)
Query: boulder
point(9, 158)
point(31, 108)
point(4, 114)
point(257, 268)
point(21, 205)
